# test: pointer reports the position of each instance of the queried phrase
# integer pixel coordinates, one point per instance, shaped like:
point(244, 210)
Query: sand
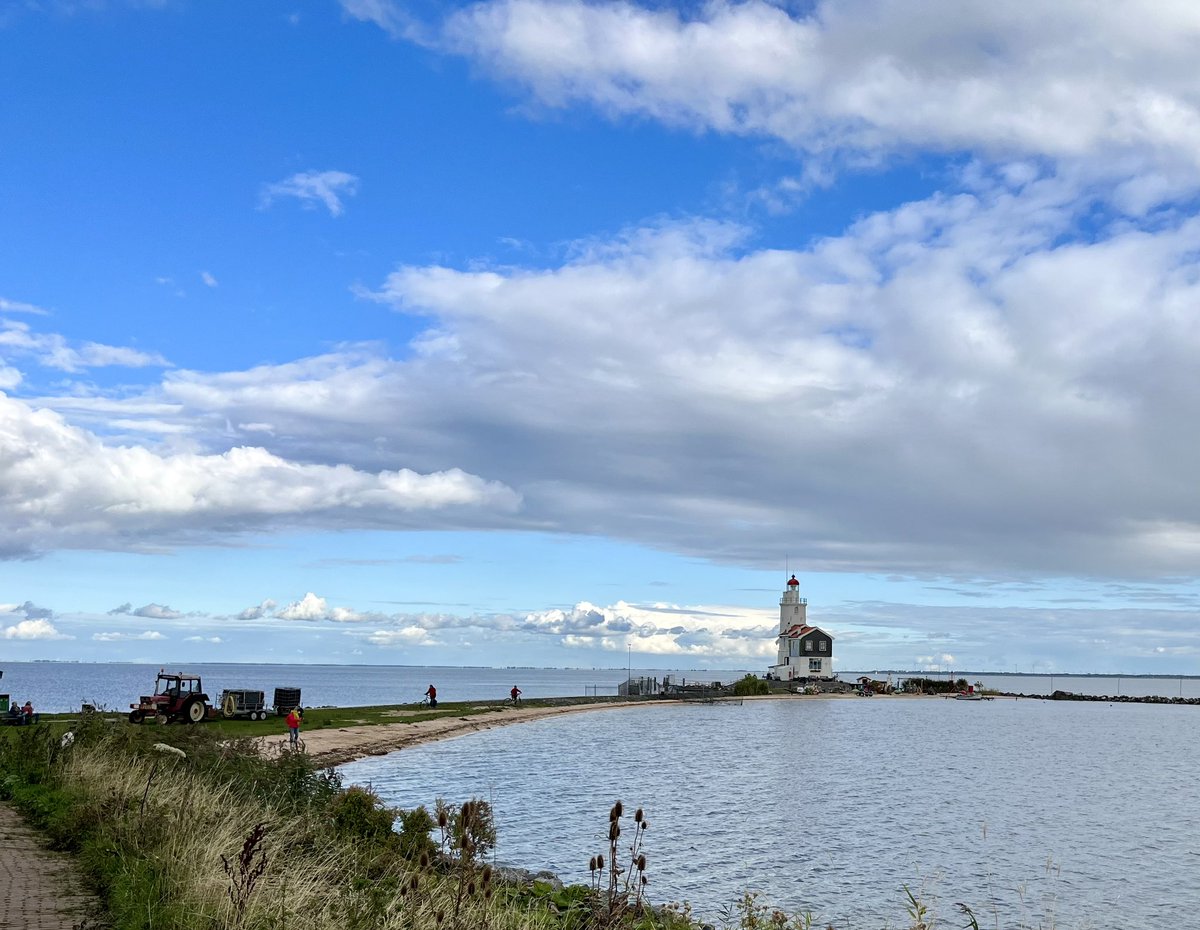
point(336, 745)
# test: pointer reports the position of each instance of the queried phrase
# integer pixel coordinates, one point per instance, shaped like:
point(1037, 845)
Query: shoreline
point(334, 746)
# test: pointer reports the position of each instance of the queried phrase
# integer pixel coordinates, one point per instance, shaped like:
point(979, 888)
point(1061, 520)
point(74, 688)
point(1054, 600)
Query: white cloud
point(34, 629)
point(312, 607)
point(157, 612)
point(405, 636)
point(386, 14)
point(52, 350)
point(962, 384)
point(257, 612)
point(16, 306)
point(311, 188)
point(208, 279)
point(127, 637)
point(216, 640)
point(1079, 80)
point(61, 486)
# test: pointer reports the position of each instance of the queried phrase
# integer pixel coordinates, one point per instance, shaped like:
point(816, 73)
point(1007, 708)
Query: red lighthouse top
point(793, 583)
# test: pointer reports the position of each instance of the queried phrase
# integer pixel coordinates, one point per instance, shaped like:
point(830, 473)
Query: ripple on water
point(1026, 810)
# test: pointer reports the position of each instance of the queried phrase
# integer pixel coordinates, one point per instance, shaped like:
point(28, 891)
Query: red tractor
point(175, 698)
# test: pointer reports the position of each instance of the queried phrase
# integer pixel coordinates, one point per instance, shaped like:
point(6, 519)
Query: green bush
point(358, 812)
point(415, 827)
point(750, 686)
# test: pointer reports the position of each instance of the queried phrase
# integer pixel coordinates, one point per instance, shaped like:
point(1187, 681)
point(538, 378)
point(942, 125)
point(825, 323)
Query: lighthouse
point(804, 651)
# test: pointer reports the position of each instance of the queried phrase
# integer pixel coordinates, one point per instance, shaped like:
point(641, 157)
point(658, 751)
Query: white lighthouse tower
point(804, 651)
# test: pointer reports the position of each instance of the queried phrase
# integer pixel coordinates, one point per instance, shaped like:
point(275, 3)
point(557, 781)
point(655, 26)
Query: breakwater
point(1111, 698)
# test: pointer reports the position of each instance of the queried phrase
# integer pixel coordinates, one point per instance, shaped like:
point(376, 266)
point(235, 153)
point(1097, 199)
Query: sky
point(553, 333)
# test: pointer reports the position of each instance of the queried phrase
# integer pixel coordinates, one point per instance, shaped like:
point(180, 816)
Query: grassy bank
point(182, 827)
point(192, 828)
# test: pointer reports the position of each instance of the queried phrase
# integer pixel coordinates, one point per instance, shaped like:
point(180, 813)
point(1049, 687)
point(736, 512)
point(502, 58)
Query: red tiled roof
point(797, 630)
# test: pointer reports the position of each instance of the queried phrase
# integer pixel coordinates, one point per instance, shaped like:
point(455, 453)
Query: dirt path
point(39, 889)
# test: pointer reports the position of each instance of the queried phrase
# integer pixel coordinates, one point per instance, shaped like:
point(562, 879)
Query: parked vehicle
point(286, 699)
point(175, 698)
point(251, 705)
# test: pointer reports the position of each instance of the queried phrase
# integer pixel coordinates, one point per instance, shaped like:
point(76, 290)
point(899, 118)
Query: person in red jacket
point(293, 725)
point(431, 693)
point(516, 694)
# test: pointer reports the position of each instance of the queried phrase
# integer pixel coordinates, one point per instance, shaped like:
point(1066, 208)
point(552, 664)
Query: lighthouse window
point(824, 645)
point(808, 645)
point(814, 665)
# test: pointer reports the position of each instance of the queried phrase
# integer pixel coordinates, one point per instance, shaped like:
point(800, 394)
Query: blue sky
point(530, 331)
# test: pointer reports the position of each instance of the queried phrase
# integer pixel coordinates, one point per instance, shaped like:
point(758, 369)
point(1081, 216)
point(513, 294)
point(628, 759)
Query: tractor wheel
point(229, 706)
point(195, 711)
point(136, 716)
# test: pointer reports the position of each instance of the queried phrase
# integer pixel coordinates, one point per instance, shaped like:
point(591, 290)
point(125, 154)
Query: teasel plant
point(625, 887)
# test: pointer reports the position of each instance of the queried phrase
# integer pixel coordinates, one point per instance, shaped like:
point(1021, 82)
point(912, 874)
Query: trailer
point(248, 705)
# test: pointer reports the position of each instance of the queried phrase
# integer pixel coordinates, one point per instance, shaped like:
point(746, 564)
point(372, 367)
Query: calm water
point(57, 687)
point(1083, 814)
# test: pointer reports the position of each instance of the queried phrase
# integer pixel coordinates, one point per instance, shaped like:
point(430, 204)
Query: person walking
point(293, 725)
point(431, 693)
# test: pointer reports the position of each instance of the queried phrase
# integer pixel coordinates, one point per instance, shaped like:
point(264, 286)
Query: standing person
point(27, 710)
point(431, 693)
point(516, 693)
point(293, 725)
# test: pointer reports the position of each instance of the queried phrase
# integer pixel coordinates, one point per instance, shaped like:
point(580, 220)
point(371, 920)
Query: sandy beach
point(336, 745)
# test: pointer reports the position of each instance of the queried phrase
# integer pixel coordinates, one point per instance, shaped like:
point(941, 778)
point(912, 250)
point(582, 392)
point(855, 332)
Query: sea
point(1032, 813)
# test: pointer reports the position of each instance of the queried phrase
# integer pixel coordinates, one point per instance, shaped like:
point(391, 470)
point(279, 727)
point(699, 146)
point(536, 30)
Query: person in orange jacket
point(431, 693)
point(293, 725)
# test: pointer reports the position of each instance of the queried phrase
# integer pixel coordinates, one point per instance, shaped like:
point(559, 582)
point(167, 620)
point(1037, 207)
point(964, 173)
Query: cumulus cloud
point(843, 75)
point(33, 630)
point(964, 384)
point(62, 486)
point(313, 188)
point(312, 607)
point(258, 611)
point(127, 637)
point(208, 279)
point(216, 640)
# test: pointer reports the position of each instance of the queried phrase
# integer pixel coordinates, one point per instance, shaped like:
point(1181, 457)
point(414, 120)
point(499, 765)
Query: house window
point(814, 665)
point(808, 645)
point(824, 645)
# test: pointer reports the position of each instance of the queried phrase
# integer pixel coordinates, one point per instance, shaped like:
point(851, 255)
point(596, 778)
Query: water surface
point(1027, 810)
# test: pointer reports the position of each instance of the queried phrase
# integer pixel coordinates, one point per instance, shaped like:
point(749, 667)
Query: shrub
point(750, 685)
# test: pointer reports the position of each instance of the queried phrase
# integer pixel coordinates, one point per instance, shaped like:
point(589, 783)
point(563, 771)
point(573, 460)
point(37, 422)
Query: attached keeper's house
point(804, 651)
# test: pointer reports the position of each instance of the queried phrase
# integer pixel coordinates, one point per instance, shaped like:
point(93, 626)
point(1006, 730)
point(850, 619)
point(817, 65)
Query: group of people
point(21, 714)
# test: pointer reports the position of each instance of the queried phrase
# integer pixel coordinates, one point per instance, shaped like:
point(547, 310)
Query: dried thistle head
point(485, 876)
point(645, 881)
point(470, 888)
point(487, 893)
point(439, 916)
point(600, 861)
point(443, 818)
point(423, 861)
point(637, 816)
point(614, 830)
point(645, 824)
point(592, 864)
point(617, 810)
point(641, 862)
point(414, 882)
